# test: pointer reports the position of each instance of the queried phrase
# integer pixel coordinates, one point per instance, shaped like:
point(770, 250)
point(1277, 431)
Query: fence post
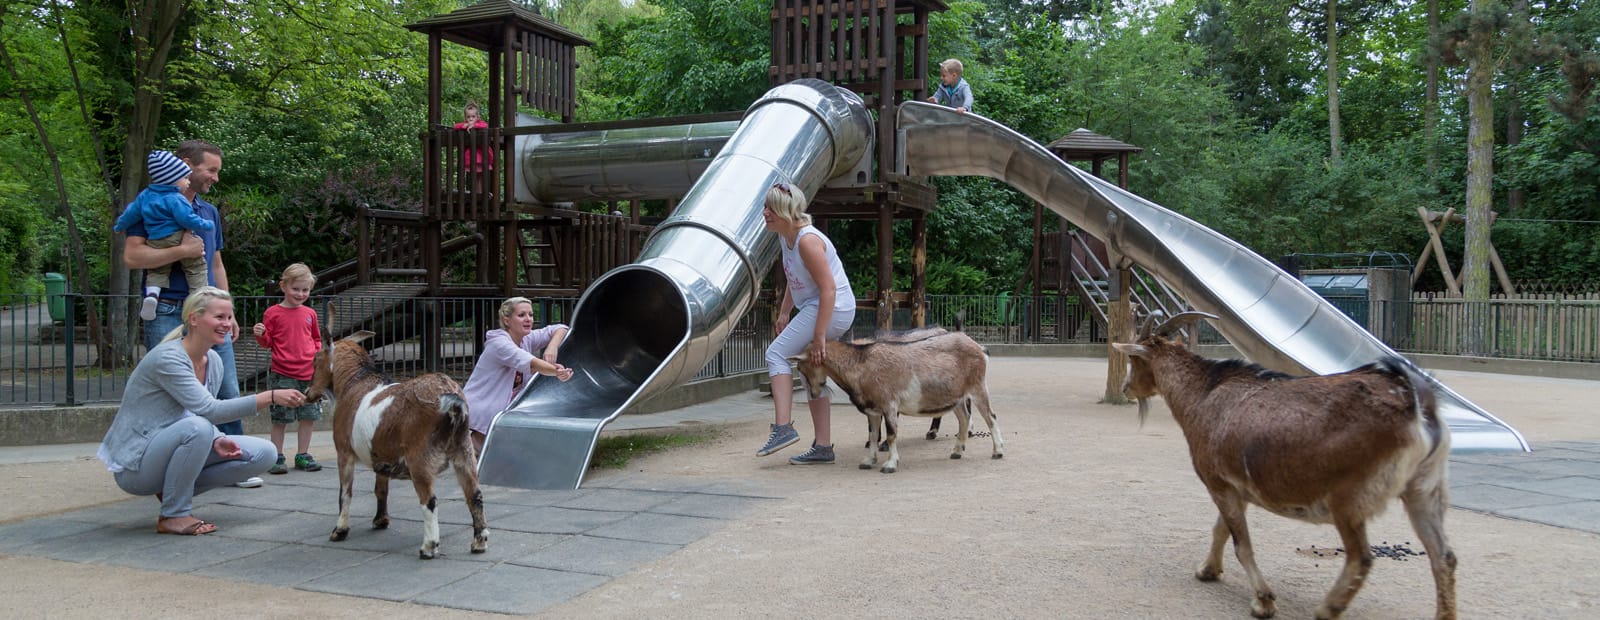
point(72, 350)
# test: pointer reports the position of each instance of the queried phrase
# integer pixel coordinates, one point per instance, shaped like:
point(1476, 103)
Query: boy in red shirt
point(289, 330)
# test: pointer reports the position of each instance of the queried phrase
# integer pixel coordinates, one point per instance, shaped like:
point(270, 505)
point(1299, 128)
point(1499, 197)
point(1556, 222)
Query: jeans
point(179, 463)
point(168, 319)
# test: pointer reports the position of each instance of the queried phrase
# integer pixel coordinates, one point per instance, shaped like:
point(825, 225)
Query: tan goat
point(911, 375)
point(1329, 449)
point(409, 430)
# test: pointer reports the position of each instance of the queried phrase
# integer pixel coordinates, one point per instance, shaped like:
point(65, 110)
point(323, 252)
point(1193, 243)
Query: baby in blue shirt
point(167, 214)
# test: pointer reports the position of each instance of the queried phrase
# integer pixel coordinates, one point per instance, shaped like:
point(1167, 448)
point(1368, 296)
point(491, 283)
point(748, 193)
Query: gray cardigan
point(161, 391)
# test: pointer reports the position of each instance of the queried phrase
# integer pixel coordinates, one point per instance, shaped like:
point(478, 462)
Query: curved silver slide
point(1267, 314)
point(649, 326)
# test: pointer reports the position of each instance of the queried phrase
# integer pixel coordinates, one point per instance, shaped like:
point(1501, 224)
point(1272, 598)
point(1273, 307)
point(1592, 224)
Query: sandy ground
point(1087, 516)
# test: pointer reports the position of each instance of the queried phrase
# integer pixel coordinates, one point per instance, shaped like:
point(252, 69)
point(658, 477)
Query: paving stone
point(1463, 474)
point(126, 513)
point(401, 537)
point(281, 497)
point(523, 497)
point(668, 529)
point(503, 544)
point(34, 531)
point(1575, 515)
point(97, 544)
point(510, 589)
point(394, 577)
point(282, 527)
point(1590, 447)
point(192, 554)
point(452, 512)
point(1576, 487)
point(553, 520)
point(1556, 468)
point(289, 565)
point(1496, 498)
point(710, 506)
point(622, 500)
point(590, 554)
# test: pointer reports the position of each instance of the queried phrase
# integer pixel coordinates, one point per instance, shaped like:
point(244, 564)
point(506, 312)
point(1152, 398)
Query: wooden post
point(363, 245)
point(919, 263)
point(885, 266)
point(1119, 328)
point(510, 251)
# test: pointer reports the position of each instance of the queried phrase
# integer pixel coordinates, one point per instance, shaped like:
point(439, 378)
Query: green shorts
point(288, 415)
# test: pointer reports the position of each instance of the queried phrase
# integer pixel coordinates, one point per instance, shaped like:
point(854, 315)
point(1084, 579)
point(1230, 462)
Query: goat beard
point(1144, 410)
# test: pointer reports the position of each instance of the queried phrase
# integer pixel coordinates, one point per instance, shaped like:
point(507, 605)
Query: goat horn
point(1149, 321)
point(1181, 320)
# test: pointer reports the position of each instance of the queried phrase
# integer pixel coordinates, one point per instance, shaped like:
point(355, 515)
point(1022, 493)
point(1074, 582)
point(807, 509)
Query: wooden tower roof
point(1085, 144)
point(479, 26)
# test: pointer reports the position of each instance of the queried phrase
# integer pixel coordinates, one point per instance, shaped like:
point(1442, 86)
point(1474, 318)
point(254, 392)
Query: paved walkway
point(570, 542)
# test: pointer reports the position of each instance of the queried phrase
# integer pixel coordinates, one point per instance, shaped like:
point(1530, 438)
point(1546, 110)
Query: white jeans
point(797, 334)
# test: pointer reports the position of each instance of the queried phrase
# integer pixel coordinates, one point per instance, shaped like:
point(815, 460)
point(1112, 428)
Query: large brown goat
point(409, 430)
point(1328, 449)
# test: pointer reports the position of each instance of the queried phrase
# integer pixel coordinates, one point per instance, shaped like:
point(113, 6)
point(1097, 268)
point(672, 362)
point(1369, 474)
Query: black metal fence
point(47, 356)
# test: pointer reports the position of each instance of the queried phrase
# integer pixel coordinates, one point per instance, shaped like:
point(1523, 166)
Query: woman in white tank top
point(820, 291)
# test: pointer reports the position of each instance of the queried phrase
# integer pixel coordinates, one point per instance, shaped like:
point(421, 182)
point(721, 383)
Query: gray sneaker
point(781, 437)
point(816, 455)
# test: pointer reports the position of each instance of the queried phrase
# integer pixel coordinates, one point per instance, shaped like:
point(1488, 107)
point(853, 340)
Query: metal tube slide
point(647, 327)
point(1267, 314)
point(640, 163)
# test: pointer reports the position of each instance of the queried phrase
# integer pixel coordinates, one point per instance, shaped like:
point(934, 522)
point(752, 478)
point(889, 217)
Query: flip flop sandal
point(193, 529)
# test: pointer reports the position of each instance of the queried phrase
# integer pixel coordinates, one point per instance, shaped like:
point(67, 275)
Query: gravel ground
point(1087, 516)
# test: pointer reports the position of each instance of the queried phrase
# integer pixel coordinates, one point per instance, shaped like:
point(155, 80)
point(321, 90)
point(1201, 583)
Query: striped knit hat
point(166, 168)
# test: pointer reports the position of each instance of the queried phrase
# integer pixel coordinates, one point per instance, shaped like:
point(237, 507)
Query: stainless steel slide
point(1266, 313)
point(649, 326)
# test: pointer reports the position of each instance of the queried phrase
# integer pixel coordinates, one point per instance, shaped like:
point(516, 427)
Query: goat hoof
point(339, 534)
point(424, 554)
point(932, 435)
point(380, 523)
point(998, 455)
point(1206, 573)
point(887, 469)
point(1265, 608)
point(955, 455)
point(428, 550)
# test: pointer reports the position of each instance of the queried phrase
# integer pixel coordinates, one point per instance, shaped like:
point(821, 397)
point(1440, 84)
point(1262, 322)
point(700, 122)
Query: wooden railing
point(467, 177)
point(566, 248)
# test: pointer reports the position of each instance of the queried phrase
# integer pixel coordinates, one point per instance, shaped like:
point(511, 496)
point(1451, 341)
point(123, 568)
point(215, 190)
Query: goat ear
point(360, 336)
point(1135, 350)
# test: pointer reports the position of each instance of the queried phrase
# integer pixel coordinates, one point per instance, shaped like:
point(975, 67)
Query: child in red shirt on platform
point(289, 330)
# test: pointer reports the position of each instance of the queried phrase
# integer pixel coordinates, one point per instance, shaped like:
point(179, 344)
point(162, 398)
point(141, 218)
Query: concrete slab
point(36, 531)
point(710, 506)
point(594, 555)
point(621, 500)
point(290, 565)
point(199, 553)
point(659, 528)
point(394, 577)
point(512, 589)
point(1575, 515)
point(552, 520)
point(1492, 497)
point(504, 545)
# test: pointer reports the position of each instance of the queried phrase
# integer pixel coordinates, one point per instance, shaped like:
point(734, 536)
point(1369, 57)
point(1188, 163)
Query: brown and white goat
point(409, 430)
point(921, 376)
point(1325, 449)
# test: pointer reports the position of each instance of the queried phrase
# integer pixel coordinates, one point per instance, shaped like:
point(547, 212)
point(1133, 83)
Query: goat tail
point(1423, 400)
point(453, 415)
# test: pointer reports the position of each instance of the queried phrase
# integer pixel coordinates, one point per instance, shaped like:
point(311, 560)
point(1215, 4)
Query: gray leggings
point(180, 464)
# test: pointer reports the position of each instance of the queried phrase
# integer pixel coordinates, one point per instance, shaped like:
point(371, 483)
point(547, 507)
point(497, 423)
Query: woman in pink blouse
point(508, 361)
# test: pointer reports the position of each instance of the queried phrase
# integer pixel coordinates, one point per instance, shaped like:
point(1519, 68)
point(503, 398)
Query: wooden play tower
point(474, 214)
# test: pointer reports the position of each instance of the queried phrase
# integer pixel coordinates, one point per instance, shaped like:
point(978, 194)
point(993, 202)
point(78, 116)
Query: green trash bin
point(55, 290)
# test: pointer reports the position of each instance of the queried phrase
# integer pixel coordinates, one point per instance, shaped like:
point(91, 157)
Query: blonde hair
point(788, 202)
point(199, 301)
point(951, 66)
point(509, 307)
point(295, 272)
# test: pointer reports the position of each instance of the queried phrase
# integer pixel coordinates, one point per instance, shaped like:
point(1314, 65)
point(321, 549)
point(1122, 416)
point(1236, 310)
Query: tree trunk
point(1430, 105)
point(1480, 175)
point(153, 24)
point(80, 265)
point(1333, 82)
point(1514, 117)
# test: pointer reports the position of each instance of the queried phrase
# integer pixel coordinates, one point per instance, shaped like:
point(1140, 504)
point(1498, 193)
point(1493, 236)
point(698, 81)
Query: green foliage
point(697, 56)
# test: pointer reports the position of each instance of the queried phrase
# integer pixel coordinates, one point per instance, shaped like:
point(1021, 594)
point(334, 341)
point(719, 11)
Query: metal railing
point(46, 360)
